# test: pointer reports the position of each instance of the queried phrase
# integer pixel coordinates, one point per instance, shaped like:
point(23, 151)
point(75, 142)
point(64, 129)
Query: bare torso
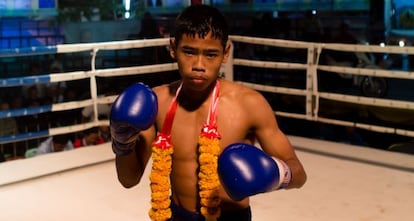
point(233, 126)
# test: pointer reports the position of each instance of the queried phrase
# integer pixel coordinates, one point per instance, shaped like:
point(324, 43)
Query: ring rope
point(311, 92)
point(390, 49)
point(379, 102)
point(273, 89)
point(368, 72)
point(269, 64)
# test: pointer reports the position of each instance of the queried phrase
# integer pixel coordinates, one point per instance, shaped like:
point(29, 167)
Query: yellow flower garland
point(209, 149)
point(208, 180)
point(160, 179)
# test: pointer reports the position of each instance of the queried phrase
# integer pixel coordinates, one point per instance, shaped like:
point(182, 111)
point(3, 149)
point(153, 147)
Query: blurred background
point(32, 23)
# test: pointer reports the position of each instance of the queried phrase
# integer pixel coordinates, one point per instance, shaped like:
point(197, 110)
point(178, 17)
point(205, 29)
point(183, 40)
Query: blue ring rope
point(35, 50)
point(23, 81)
point(20, 81)
point(24, 136)
point(25, 111)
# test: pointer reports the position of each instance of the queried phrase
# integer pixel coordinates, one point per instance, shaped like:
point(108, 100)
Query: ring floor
point(345, 183)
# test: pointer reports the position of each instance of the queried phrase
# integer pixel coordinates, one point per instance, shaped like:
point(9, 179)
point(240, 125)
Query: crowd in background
point(37, 95)
point(40, 94)
point(34, 95)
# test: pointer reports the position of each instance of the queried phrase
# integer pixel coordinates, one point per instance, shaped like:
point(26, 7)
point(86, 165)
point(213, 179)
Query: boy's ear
point(227, 51)
point(172, 47)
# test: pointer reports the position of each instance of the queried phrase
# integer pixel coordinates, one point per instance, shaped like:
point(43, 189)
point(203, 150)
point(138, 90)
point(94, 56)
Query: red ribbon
point(163, 141)
point(210, 131)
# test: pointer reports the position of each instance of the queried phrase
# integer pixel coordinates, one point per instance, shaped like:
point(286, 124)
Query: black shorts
point(181, 214)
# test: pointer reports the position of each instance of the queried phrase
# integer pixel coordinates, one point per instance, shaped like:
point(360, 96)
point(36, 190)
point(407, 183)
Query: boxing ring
point(345, 182)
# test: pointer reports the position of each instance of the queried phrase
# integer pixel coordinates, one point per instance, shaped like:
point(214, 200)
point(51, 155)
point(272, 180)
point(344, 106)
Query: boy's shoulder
point(167, 88)
point(235, 88)
point(164, 92)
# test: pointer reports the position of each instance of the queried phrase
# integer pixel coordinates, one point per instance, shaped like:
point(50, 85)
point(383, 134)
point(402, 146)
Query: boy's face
point(199, 59)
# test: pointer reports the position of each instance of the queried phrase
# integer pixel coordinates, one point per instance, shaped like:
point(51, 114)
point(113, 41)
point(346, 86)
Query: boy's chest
point(187, 126)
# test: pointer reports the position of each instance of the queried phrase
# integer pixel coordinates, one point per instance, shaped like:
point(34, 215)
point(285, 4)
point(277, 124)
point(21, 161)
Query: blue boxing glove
point(134, 110)
point(245, 170)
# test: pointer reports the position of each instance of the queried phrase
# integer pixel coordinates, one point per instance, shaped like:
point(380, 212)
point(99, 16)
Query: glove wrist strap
point(122, 149)
point(285, 174)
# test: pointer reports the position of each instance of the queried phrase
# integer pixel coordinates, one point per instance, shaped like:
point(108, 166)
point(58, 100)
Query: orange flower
point(208, 180)
point(157, 205)
point(160, 214)
point(209, 149)
point(160, 181)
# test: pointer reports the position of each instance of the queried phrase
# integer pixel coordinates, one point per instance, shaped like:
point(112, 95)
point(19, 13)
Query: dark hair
point(200, 20)
point(61, 139)
point(91, 130)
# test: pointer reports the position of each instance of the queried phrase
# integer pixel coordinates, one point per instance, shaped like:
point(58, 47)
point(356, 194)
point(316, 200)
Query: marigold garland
point(209, 149)
point(160, 179)
point(208, 180)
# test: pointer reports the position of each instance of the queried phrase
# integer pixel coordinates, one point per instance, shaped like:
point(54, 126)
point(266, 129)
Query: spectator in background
point(339, 58)
point(89, 137)
point(312, 30)
point(149, 30)
point(87, 115)
point(55, 91)
point(103, 109)
point(33, 97)
point(103, 112)
point(17, 102)
point(34, 70)
point(8, 126)
point(38, 121)
point(56, 143)
point(104, 131)
point(342, 58)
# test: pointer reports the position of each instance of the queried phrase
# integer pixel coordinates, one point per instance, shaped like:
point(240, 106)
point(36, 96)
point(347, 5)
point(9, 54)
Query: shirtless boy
point(235, 115)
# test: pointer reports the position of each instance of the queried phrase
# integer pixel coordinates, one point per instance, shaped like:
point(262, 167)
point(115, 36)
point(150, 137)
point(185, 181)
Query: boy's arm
point(131, 167)
point(132, 118)
point(272, 139)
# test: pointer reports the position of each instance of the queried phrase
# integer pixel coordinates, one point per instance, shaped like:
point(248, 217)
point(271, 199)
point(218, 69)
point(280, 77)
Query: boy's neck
point(192, 100)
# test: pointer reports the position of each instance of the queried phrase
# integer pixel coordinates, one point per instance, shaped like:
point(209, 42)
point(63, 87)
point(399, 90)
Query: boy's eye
point(189, 52)
point(211, 55)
